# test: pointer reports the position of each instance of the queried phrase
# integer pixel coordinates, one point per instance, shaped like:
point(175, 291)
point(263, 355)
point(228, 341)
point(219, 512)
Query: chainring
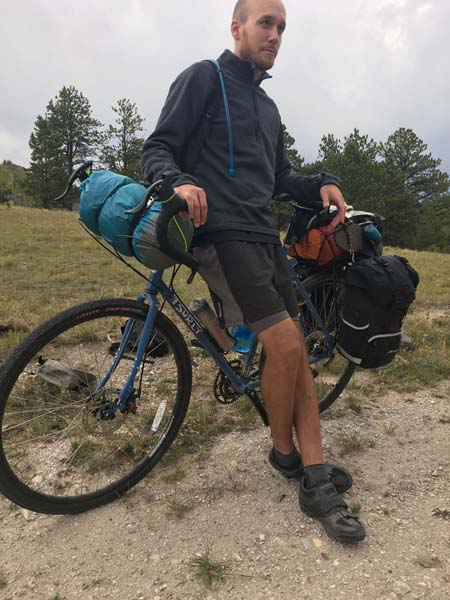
point(224, 391)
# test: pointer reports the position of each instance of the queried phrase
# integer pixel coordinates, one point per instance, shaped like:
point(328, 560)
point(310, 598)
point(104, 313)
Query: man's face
point(259, 38)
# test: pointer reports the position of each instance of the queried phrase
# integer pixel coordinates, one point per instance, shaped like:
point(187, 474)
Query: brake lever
point(81, 173)
point(143, 203)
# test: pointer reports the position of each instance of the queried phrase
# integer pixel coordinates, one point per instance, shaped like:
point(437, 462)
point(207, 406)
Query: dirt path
point(138, 548)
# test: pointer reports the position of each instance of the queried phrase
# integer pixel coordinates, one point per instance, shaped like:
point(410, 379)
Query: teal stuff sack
point(145, 245)
point(114, 223)
point(94, 192)
point(105, 198)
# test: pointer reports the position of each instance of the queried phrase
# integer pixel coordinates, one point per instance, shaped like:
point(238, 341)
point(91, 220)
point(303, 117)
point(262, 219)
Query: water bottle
point(207, 317)
point(244, 338)
point(372, 234)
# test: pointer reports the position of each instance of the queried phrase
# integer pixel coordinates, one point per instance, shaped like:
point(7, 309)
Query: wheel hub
point(100, 416)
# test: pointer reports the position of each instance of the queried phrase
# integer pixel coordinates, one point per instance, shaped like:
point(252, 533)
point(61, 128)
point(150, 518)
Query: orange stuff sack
point(317, 245)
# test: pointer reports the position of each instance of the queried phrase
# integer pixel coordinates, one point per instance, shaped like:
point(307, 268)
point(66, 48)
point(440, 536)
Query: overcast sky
point(372, 64)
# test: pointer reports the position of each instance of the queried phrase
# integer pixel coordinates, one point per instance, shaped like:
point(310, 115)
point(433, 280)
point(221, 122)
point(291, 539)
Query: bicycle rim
point(59, 454)
point(331, 374)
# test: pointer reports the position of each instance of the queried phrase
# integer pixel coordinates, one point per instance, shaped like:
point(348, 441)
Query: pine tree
point(282, 210)
point(405, 155)
point(70, 118)
point(294, 157)
point(355, 163)
point(122, 144)
point(46, 176)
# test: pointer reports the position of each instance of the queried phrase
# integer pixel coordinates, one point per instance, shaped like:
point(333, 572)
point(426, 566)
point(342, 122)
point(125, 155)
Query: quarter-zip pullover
point(237, 206)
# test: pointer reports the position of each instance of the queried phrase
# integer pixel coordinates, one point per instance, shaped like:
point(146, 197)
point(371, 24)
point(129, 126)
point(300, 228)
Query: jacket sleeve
point(180, 117)
point(304, 188)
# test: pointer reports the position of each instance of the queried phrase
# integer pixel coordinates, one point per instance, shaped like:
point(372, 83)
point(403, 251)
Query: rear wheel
point(63, 449)
point(331, 374)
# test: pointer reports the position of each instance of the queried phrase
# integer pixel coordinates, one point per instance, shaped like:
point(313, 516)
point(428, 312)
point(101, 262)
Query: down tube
point(191, 322)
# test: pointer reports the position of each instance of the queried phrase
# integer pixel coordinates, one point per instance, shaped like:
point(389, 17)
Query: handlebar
point(81, 173)
point(312, 206)
point(171, 205)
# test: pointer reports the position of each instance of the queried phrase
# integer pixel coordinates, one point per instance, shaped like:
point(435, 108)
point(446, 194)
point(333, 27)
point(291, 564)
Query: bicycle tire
point(325, 291)
point(51, 437)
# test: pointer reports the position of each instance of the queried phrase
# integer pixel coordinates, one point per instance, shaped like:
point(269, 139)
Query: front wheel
point(331, 373)
point(63, 448)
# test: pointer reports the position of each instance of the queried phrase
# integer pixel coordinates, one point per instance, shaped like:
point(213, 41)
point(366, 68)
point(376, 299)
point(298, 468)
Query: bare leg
point(306, 413)
point(288, 390)
point(289, 395)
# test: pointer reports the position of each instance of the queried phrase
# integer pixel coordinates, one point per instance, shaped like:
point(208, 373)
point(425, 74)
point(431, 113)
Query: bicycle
point(69, 448)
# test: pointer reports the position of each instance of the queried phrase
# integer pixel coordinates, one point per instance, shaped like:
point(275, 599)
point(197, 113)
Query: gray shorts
point(249, 283)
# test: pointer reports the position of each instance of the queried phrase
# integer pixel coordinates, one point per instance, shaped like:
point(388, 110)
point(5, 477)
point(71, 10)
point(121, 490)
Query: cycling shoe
point(322, 502)
point(339, 477)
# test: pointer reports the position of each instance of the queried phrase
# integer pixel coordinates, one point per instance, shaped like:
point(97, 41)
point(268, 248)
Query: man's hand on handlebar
point(331, 194)
point(196, 201)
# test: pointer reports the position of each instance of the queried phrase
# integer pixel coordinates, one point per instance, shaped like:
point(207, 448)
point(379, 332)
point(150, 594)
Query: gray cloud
point(373, 65)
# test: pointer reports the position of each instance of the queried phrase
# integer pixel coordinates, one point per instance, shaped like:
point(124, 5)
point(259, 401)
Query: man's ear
point(236, 29)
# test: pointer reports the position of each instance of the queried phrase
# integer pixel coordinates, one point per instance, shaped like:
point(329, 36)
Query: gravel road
point(232, 502)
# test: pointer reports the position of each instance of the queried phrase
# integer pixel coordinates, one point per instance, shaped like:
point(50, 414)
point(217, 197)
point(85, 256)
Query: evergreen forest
point(397, 178)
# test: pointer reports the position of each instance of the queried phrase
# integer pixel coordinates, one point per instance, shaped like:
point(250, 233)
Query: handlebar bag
point(145, 245)
point(114, 223)
point(378, 293)
point(104, 199)
point(95, 191)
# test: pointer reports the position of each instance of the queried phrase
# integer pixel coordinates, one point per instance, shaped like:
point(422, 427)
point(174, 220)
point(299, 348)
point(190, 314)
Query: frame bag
point(378, 293)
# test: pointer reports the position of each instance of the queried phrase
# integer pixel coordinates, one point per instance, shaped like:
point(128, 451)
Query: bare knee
point(283, 345)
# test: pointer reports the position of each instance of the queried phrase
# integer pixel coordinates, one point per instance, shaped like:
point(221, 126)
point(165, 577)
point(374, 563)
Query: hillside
point(12, 178)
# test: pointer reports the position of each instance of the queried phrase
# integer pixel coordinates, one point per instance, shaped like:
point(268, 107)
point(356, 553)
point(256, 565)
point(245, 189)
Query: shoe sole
point(343, 539)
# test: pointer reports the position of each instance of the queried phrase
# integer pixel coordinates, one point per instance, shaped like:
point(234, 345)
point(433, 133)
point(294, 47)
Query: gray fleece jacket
point(179, 147)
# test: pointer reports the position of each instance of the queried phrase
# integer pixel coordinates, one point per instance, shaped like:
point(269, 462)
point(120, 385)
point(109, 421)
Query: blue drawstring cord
point(231, 170)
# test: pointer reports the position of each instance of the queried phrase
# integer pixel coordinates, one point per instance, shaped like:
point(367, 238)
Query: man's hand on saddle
point(331, 194)
point(196, 201)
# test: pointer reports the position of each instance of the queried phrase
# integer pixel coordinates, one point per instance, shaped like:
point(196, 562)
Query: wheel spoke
point(331, 371)
point(73, 447)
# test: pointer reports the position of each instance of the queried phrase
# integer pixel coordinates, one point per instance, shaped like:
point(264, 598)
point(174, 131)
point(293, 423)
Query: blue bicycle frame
point(243, 384)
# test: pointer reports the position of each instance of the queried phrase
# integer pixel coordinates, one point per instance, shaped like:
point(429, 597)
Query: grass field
point(48, 262)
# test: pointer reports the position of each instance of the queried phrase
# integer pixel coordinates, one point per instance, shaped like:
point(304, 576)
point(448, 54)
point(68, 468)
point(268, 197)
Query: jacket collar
point(244, 69)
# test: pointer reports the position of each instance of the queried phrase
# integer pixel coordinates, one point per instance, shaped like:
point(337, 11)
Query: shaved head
point(240, 12)
point(243, 7)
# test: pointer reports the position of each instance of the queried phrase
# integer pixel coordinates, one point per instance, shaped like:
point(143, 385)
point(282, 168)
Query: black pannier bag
point(378, 293)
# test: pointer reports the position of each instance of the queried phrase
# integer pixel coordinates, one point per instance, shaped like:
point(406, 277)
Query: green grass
point(354, 403)
point(428, 363)
point(179, 509)
point(353, 443)
point(208, 570)
point(49, 263)
point(3, 581)
point(355, 508)
point(434, 269)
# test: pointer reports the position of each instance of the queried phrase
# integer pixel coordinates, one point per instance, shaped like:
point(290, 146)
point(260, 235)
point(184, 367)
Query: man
point(227, 171)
